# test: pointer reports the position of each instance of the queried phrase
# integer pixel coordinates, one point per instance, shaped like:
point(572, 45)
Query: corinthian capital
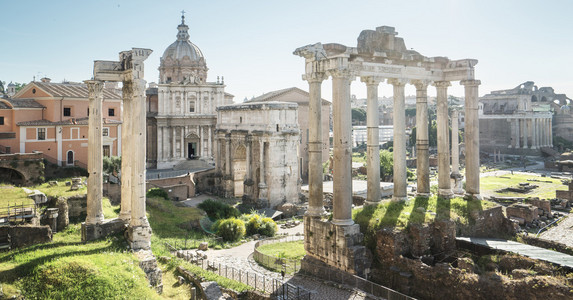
point(315, 77)
point(95, 88)
point(397, 81)
point(371, 80)
point(470, 82)
point(420, 84)
point(442, 84)
point(342, 73)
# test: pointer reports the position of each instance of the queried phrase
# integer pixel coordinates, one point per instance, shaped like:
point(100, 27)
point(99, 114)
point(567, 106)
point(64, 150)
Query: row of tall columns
point(137, 155)
point(373, 141)
point(342, 127)
point(531, 133)
point(472, 137)
point(422, 141)
point(263, 171)
point(169, 148)
point(444, 183)
point(95, 155)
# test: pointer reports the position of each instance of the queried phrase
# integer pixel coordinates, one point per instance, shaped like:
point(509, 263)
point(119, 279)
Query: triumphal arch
point(380, 56)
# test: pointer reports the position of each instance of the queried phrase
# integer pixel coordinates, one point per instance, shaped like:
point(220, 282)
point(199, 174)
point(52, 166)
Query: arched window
point(70, 158)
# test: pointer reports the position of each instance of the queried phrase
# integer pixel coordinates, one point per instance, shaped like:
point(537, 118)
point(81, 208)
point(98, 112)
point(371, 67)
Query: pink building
point(53, 118)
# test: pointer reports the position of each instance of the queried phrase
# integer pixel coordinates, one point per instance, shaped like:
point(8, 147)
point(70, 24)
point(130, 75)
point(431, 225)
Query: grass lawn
point(290, 250)
point(546, 190)
point(12, 195)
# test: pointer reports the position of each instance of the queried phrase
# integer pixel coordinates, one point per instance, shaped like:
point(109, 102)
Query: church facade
point(181, 109)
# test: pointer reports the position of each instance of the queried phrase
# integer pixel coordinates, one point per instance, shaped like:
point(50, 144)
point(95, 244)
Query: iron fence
point(286, 265)
point(17, 213)
point(266, 284)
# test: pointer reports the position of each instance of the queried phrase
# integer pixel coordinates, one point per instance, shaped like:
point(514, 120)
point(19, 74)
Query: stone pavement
point(562, 233)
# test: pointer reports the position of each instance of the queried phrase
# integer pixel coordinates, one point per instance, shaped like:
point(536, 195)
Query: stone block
point(525, 211)
point(139, 237)
point(23, 236)
point(203, 246)
point(148, 263)
point(96, 231)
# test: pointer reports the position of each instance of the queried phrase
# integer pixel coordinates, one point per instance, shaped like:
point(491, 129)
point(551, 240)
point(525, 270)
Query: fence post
point(219, 269)
point(255, 281)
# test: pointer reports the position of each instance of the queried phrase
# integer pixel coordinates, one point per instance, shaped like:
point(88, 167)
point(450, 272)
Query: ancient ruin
point(256, 152)
point(380, 55)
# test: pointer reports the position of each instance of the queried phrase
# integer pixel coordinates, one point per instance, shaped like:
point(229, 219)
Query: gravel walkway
point(562, 233)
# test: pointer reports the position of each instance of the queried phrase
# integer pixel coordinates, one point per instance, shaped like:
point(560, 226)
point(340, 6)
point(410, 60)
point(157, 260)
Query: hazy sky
point(250, 43)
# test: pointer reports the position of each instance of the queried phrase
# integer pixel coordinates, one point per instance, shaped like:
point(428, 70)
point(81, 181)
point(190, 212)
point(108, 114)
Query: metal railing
point(262, 283)
point(288, 266)
point(17, 213)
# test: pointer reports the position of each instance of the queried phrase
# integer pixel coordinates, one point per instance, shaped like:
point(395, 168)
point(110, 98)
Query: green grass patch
point(12, 195)
point(290, 250)
point(546, 190)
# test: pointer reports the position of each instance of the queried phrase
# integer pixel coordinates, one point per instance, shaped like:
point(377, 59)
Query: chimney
point(46, 80)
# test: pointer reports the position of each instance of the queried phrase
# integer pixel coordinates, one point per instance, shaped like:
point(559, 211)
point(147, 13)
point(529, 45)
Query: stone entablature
point(256, 145)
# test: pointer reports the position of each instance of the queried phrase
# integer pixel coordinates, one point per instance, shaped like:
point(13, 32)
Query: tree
point(2, 90)
point(19, 86)
point(112, 165)
point(386, 165)
point(358, 115)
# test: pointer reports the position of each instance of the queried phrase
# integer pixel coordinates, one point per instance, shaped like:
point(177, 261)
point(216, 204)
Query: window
point(41, 133)
point(191, 106)
point(106, 150)
point(111, 112)
point(67, 111)
point(70, 158)
point(1, 120)
point(105, 131)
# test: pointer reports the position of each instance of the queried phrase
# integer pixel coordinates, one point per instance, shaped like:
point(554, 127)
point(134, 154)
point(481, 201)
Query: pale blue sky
point(251, 42)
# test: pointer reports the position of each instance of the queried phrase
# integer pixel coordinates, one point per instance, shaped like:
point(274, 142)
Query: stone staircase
point(192, 164)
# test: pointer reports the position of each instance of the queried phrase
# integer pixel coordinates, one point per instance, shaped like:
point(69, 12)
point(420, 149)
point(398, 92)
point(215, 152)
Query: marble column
point(373, 141)
point(422, 144)
point(456, 153)
point(550, 134)
point(516, 133)
point(181, 142)
point(210, 141)
point(140, 231)
point(95, 155)
point(444, 183)
point(159, 142)
point(315, 138)
point(534, 133)
point(472, 137)
point(399, 116)
point(173, 142)
point(342, 131)
point(262, 171)
point(248, 176)
point(128, 150)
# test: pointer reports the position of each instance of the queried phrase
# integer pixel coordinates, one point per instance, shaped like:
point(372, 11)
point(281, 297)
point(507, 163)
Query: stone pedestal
point(139, 237)
point(92, 232)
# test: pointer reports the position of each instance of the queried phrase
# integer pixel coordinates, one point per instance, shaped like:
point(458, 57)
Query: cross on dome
point(182, 17)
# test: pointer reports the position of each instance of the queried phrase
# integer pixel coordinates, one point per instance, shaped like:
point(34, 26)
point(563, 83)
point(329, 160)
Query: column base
point(139, 237)
point(92, 232)
point(458, 191)
point(371, 203)
point(445, 193)
point(315, 211)
point(425, 195)
point(399, 198)
point(342, 222)
point(469, 196)
point(125, 217)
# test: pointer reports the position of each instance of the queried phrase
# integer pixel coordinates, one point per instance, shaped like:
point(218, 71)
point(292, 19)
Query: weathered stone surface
point(541, 204)
point(212, 290)
point(38, 197)
point(148, 264)
point(524, 211)
point(203, 246)
point(288, 209)
point(108, 227)
point(488, 223)
point(22, 236)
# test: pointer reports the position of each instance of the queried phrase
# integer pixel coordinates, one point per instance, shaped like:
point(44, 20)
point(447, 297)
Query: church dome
point(182, 61)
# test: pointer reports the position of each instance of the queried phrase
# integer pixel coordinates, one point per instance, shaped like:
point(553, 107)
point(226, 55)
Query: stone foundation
point(337, 246)
point(23, 236)
point(96, 231)
point(148, 263)
point(139, 237)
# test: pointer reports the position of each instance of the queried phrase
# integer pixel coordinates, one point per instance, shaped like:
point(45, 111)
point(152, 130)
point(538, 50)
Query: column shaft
point(315, 175)
point(138, 217)
point(342, 194)
point(95, 155)
point(128, 150)
point(444, 184)
point(455, 144)
point(472, 137)
point(550, 134)
point(422, 154)
point(373, 141)
point(400, 178)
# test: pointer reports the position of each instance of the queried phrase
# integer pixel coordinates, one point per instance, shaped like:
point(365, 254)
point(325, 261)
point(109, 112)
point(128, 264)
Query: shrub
point(215, 226)
point(231, 229)
point(217, 210)
point(157, 192)
point(254, 224)
point(268, 227)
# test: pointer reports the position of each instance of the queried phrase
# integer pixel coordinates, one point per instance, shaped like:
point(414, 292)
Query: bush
point(157, 192)
point(268, 227)
point(254, 224)
point(231, 230)
point(217, 210)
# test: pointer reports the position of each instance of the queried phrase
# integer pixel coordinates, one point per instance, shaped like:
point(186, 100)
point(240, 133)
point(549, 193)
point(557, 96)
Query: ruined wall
point(22, 236)
point(181, 187)
point(487, 223)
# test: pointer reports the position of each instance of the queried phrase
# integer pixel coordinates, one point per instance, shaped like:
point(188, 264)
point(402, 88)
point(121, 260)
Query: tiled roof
point(270, 96)
point(19, 103)
point(72, 90)
point(81, 121)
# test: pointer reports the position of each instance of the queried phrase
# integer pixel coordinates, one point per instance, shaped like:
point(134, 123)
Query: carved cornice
point(342, 73)
point(371, 80)
point(471, 82)
point(421, 85)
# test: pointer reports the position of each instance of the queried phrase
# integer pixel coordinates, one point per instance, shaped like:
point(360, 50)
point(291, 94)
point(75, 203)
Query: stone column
point(534, 133)
point(139, 231)
point(422, 144)
point(550, 134)
point(472, 137)
point(173, 142)
point(181, 142)
point(128, 150)
point(342, 193)
point(444, 183)
point(516, 133)
point(95, 155)
point(262, 171)
point(248, 176)
point(159, 142)
point(315, 176)
point(400, 184)
point(210, 141)
point(456, 154)
point(373, 141)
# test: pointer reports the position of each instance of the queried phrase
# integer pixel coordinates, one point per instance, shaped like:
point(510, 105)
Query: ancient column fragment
point(342, 119)
point(472, 137)
point(422, 143)
point(444, 183)
point(127, 149)
point(95, 155)
point(315, 138)
point(373, 141)
point(400, 184)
